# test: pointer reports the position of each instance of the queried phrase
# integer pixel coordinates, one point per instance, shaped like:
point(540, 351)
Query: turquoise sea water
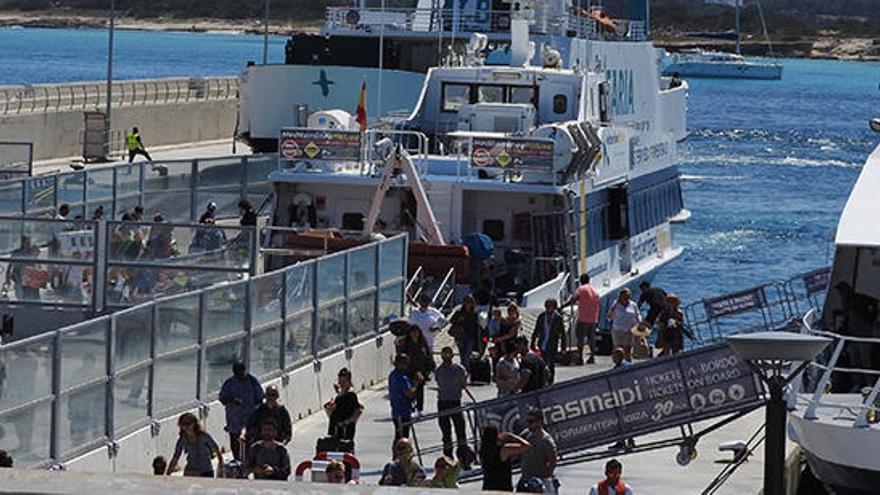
point(768, 165)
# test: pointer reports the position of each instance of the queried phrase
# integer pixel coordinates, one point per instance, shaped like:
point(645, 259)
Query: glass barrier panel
point(258, 185)
point(27, 434)
point(40, 199)
point(361, 269)
point(331, 326)
point(177, 323)
point(82, 417)
point(128, 285)
point(71, 190)
point(134, 328)
point(10, 197)
point(390, 303)
point(48, 240)
point(46, 283)
point(265, 352)
point(99, 192)
point(361, 316)
point(220, 182)
point(218, 363)
point(84, 353)
point(299, 287)
point(331, 273)
point(130, 394)
point(167, 190)
point(180, 245)
point(392, 259)
point(266, 300)
point(128, 190)
point(174, 382)
point(224, 310)
point(27, 372)
point(298, 338)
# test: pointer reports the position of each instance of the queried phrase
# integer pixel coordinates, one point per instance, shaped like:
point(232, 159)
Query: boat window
point(494, 229)
point(490, 94)
point(353, 221)
point(455, 95)
point(522, 94)
point(560, 104)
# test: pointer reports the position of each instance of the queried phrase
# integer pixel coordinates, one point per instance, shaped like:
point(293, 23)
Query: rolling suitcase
point(234, 469)
point(333, 444)
point(481, 371)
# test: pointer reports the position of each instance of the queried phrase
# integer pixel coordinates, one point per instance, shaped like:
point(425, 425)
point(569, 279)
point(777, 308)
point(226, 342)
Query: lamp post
point(266, 32)
point(109, 77)
point(769, 355)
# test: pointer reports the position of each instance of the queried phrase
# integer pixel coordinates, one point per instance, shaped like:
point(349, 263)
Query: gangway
point(586, 414)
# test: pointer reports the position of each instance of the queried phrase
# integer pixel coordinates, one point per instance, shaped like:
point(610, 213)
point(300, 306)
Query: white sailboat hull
point(724, 70)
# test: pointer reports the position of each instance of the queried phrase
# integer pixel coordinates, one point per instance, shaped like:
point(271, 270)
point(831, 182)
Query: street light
point(768, 354)
point(109, 77)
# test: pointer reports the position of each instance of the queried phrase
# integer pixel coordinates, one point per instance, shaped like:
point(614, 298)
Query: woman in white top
point(624, 315)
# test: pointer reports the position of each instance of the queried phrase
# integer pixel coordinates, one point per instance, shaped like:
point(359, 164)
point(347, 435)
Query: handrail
point(448, 280)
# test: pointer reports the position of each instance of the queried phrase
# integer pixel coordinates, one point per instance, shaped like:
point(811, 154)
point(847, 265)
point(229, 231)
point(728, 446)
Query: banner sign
point(519, 153)
point(737, 302)
point(640, 399)
point(320, 144)
point(817, 281)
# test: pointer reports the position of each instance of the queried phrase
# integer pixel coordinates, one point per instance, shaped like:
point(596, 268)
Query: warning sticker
point(289, 149)
point(312, 149)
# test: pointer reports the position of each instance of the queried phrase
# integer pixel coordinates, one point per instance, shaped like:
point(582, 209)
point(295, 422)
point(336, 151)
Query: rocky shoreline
point(823, 47)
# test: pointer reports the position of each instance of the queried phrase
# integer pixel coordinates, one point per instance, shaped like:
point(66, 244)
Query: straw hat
point(642, 330)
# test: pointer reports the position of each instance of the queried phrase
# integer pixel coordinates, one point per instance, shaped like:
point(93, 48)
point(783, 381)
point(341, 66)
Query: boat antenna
point(764, 27)
point(738, 4)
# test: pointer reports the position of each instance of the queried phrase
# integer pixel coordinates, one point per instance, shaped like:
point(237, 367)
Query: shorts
point(622, 338)
point(586, 333)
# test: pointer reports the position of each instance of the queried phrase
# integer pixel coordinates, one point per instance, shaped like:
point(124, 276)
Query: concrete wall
point(303, 392)
point(57, 135)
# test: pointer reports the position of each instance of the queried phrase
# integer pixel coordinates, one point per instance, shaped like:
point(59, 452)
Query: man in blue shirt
point(400, 394)
point(240, 395)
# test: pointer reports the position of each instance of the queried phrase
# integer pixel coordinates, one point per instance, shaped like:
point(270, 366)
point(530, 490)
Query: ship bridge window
point(455, 95)
point(490, 94)
point(494, 229)
point(560, 104)
point(523, 94)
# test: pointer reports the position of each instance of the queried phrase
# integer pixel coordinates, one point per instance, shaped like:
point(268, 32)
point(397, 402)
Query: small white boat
point(700, 63)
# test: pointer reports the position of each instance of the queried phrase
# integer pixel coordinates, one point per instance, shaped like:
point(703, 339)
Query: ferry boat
point(391, 49)
point(835, 420)
point(560, 170)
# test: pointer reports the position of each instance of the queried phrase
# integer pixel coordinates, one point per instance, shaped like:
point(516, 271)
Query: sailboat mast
point(737, 4)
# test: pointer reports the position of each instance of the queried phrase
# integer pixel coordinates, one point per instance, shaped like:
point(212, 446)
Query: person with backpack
point(534, 374)
point(612, 484)
point(240, 395)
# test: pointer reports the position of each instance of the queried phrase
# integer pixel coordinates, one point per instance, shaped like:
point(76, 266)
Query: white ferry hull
point(735, 70)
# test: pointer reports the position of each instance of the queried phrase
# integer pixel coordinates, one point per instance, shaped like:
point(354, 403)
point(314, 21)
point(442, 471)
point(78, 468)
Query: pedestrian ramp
point(587, 414)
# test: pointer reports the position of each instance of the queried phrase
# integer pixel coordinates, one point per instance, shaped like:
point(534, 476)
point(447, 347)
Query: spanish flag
point(362, 108)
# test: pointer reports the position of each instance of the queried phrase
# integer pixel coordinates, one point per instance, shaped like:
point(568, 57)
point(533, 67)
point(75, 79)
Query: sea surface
point(767, 167)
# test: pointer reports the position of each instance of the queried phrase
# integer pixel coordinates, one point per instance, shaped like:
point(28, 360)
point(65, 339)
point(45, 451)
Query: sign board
point(640, 399)
point(738, 302)
point(518, 153)
point(817, 281)
point(320, 144)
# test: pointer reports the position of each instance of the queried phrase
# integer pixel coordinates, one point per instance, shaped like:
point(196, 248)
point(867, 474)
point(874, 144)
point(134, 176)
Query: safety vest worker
point(134, 145)
point(133, 140)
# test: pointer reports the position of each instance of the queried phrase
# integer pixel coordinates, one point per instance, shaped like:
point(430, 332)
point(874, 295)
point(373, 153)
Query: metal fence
point(46, 98)
point(71, 391)
point(16, 159)
point(176, 189)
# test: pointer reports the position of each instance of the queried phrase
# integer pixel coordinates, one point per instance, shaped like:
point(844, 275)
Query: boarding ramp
point(767, 307)
point(87, 389)
point(587, 414)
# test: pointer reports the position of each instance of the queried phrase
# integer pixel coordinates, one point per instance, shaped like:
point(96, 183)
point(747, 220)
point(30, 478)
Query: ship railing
point(84, 387)
point(415, 143)
point(840, 363)
point(444, 296)
point(92, 95)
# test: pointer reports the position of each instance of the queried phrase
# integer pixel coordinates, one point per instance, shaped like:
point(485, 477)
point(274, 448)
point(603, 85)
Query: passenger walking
point(465, 329)
point(547, 335)
point(587, 300)
point(401, 391)
point(267, 459)
point(672, 328)
point(507, 371)
point(344, 409)
point(496, 451)
point(612, 484)
point(624, 315)
point(429, 320)
point(403, 470)
point(534, 373)
point(240, 395)
point(539, 461)
point(135, 145)
point(421, 361)
point(270, 409)
point(451, 381)
point(655, 297)
point(199, 448)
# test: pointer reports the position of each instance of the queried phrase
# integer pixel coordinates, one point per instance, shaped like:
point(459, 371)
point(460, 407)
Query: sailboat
point(702, 63)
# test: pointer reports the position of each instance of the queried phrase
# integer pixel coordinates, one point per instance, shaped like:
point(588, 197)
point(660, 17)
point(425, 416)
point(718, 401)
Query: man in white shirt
point(612, 484)
point(429, 320)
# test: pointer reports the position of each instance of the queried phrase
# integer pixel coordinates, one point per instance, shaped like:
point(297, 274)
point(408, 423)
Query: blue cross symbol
point(324, 83)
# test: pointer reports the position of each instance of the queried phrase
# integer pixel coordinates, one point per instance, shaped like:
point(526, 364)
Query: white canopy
point(860, 221)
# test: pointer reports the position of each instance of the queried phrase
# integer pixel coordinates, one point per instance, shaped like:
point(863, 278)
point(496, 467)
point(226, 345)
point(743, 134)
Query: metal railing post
point(99, 270)
point(243, 184)
point(151, 379)
point(194, 191)
point(248, 336)
point(200, 365)
point(141, 183)
point(282, 360)
point(346, 289)
point(109, 422)
point(378, 278)
point(54, 427)
point(810, 413)
point(316, 317)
